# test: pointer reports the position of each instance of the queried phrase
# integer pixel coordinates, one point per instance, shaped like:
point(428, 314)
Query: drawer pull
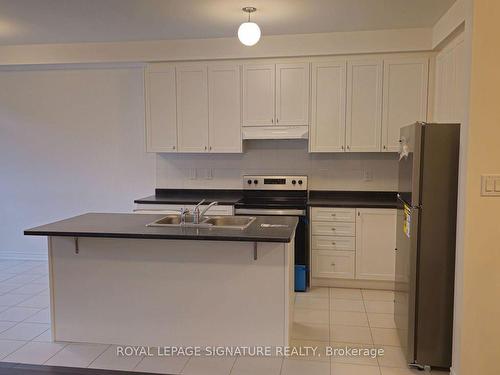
point(333, 264)
point(333, 228)
point(334, 243)
point(334, 214)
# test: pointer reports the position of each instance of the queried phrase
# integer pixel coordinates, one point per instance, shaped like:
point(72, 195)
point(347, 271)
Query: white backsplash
point(330, 171)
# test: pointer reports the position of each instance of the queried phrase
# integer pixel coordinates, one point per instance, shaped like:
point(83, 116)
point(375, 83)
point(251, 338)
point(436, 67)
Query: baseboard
point(40, 254)
point(359, 284)
point(452, 372)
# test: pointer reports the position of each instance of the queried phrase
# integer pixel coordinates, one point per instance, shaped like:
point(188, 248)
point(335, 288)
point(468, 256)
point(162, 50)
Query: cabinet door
point(333, 264)
point(258, 95)
point(328, 107)
point(292, 94)
point(192, 108)
point(364, 105)
point(375, 244)
point(405, 97)
point(224, 107)
point(161, 117)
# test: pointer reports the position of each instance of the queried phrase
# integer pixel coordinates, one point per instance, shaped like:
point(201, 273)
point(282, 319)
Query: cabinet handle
point(210, 148)
point(348, 147)
point(333, 228)
point(334, 243)
point(385, 147)
point(342, 147)
point(277, 120)
point(334, 214)
point(205, 147)
point(272, 121)
point(333, 264)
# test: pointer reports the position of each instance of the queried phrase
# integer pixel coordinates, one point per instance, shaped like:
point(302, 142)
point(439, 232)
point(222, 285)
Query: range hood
point(275, 132)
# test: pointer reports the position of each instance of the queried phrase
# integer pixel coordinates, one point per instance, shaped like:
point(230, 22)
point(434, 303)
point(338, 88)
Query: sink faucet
point(184, 212)
point(199, 214)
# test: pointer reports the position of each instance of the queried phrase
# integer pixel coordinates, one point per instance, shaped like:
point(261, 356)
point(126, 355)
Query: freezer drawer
point(333, 229)
point(333, 243)
point(333, 264)
point(333, 214)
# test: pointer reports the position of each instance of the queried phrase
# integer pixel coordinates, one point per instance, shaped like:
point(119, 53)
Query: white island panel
point(171, 292)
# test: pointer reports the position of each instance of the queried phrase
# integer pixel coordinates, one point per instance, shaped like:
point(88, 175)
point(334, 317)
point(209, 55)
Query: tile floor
point(323, 317)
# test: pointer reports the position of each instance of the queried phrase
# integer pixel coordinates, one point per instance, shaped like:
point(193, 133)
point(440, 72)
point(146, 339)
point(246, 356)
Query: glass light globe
point(249, 33)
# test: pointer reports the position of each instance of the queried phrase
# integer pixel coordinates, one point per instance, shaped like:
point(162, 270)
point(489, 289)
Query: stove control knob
point(300, 182)
point(249, 182)
point(255, 182)
point(294, 182)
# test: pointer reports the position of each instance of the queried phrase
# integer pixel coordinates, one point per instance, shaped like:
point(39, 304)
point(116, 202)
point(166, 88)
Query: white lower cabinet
point(353, 243)
point(168, 209)
point(334, 264)
point(375, 244)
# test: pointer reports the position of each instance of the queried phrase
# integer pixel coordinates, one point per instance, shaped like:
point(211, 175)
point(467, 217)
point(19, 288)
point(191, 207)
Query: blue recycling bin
point(300, 278)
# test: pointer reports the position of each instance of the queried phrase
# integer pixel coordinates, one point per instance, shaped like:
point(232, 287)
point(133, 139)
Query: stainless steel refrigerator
point(425, 251)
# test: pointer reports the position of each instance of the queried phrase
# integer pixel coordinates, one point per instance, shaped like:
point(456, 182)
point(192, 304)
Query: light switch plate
point(490, 185)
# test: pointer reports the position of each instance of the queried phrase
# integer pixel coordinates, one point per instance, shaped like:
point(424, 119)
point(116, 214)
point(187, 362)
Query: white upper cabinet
point(405, 97)
point(327, 133)
point(375, 244)
point(161, 118)
point(224, 107)
point(192, 108)
point(364, 105)
point(276, 94)
point(258, 95)
point(292, 94)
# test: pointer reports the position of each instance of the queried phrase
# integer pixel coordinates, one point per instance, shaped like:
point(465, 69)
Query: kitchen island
point(115, 280)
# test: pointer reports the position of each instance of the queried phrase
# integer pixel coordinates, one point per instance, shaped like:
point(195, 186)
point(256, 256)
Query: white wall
point(71, 141)
point(340, 171)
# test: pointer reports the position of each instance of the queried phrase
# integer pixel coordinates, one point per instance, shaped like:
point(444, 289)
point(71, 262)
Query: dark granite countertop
point(114, 225)
point(192, 196)
point(355, 199)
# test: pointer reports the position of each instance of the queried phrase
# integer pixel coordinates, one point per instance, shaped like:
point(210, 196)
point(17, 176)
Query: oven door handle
point(269, 211)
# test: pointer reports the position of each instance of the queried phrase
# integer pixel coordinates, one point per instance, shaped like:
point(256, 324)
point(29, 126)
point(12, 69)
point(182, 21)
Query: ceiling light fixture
point(249, 32)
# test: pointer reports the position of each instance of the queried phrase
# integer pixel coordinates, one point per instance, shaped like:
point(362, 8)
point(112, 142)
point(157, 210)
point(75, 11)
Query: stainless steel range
point(279, 195)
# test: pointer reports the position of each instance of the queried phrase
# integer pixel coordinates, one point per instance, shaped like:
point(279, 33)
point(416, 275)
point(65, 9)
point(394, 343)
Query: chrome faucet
point(184, 212)
point(198, 215)
point(202, 213)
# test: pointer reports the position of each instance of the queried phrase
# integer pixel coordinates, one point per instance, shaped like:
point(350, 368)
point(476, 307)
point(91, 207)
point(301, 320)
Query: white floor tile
point(42, 316)
point(384, 307)
point(305, 302)
point(162, 365)
point(378, 295)
point(359, 335)
point(352, 369)
point(30, 289)
point(381, 320)
point(9, 346)
point(109, 360)
point(311, 331)
point(406, 371)
point(44, 337)
point(44, 280)
point(317, 292)
point(17, 314)
point(344, 293)
point(35, 353)
point(349, 318)
point(77, 355)
point(6, 287)
point(311, 316)
point(24, 331)
point(347, 305)
point(11, 299)
point(297, 367)
point(209, 366)
point(385, 336)
point(393, 357)
point(39, 301)
point(6, 325)
point(22, 278)
point(257, 365)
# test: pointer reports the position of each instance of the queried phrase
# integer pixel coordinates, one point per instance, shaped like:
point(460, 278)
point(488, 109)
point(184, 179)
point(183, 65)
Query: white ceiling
point(62, 21)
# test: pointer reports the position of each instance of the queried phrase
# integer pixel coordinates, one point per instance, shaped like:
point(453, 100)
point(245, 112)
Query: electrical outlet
point(368, 175)
point(490, 185)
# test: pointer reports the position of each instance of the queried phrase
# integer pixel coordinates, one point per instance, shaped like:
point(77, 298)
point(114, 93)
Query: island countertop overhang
point(122, 225)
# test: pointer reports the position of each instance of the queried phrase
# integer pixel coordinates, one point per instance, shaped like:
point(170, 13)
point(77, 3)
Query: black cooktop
point(273, 199)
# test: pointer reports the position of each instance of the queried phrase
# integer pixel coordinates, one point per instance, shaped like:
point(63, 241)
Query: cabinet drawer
point(333, 229)
point(333, 214)
point(333, 264)
point(333, 243)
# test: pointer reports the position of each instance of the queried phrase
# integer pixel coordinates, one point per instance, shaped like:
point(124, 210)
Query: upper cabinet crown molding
point(364, 105)
point(276, 94)
point(405, 97)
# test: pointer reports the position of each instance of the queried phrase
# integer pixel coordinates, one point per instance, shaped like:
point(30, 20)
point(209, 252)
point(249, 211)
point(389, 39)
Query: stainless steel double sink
point(223, 222)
